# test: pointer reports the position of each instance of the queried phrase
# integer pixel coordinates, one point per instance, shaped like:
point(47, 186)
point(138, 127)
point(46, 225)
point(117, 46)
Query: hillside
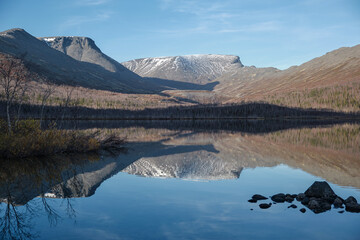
point(92, 70)
point(335, 69)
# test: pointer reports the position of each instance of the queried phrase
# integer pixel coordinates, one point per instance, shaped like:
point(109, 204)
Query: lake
point(184, 181)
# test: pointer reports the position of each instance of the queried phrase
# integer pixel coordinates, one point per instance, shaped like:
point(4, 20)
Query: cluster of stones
point(319, 197)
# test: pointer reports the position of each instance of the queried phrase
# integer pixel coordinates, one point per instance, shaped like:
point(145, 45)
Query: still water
point(186, 183)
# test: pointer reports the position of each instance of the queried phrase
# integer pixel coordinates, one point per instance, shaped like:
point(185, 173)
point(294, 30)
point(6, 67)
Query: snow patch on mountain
point(197, 68)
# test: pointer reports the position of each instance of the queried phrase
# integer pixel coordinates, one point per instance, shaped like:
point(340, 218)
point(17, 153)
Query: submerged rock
point(265, 205)
point(279, 198)
point(292, 206)
point(303, 210)
point(252, 201)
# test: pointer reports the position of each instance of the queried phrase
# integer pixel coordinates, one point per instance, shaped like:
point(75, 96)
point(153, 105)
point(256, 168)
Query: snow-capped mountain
point(198, 69)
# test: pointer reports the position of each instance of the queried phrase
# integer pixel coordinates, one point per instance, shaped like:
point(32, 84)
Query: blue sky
point(278, 33)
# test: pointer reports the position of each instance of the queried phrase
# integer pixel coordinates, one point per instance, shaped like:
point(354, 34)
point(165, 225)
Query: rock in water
point(279, 198)
point(303, 210)
point(265, 205)
point(320, 190)
point(351, 200)
point(258, 197)
point(351, 205)
point(318, 205)
point(292, 206)
point(338, 203)
point(289, 198)
point(300, 197)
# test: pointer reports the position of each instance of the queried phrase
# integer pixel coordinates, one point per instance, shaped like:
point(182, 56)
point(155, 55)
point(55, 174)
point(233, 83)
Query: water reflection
point(331, 153)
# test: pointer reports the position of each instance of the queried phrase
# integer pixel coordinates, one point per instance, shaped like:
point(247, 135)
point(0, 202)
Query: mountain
point(338, 67)
point(82, 64)
point(194, 69)
point(84, 49)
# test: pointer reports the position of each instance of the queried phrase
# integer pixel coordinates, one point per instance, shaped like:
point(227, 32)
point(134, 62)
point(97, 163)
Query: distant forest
point(235, 111)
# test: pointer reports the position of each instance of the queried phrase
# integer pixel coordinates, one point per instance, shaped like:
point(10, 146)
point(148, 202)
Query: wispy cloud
point(218, 17)
point(91, 2)
point(259, 27)
point(80, 20)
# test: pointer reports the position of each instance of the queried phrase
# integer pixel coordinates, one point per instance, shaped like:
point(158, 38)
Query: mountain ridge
point(195, 68)
point(64, 69)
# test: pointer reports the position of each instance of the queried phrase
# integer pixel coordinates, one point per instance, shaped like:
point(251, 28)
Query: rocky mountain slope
point(85, 50)
point(83, 64)
point(338, 67)
point(196, 69)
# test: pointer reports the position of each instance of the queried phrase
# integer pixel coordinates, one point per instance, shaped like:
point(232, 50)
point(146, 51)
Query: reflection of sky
point(131, 207)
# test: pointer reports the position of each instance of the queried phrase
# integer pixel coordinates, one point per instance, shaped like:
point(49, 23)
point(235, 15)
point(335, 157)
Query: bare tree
point(68, 94)
point(47, 91)
point(22, 96)
point(13, 78)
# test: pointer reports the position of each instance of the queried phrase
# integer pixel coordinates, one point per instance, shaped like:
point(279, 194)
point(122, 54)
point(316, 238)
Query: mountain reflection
point(331, 153)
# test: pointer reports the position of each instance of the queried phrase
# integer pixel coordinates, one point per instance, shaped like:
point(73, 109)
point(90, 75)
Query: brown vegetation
point(28, 139)
point(341, 98)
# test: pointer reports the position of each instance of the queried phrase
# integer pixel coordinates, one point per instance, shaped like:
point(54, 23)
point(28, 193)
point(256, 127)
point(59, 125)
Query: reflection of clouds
point(93, 233)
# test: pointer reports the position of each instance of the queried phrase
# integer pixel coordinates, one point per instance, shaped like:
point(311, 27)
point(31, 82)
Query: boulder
point(320, 190)
point(300, 197)
point(352, 207)
point(313, 204)
point(279, 198)
point(303, 210)
point(258, 197)
point(292, 206)
point(338, 203)
point(289, 198)
point(265, 205)
point(350, 199)
point(318, 205)
point(305, 201)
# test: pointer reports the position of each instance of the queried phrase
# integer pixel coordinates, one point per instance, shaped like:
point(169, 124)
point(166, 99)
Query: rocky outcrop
point(319, 198)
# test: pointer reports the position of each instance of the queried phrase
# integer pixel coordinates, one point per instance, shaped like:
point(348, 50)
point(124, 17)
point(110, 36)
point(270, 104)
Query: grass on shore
point(28, 140)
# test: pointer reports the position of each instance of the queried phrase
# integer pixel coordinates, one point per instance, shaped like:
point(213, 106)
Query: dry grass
point(341, 98)
point(28, 140)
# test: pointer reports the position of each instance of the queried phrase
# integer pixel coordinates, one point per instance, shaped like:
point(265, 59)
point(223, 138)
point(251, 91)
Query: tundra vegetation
point(21, 138)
